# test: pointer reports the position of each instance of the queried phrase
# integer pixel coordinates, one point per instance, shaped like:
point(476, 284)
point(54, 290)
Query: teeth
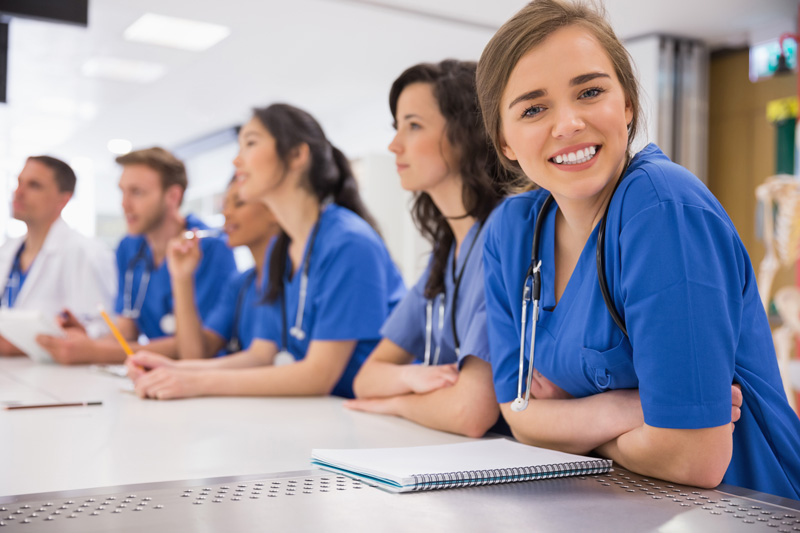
point(577, 157)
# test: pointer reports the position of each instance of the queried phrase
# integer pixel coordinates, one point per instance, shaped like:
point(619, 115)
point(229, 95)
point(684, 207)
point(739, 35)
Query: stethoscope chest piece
point(283, 358)
point(297, 331)
point(168, 324)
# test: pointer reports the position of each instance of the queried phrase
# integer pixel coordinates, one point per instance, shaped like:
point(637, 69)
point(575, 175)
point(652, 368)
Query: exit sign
point(764, 58)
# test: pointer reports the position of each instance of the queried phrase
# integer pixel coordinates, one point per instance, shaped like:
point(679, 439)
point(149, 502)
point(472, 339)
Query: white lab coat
point(70, 271)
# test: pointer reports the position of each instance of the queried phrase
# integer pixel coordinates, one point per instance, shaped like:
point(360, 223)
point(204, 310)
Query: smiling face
point(246, 223)
point(565, 116)
point(259, 169)
point(422, 152)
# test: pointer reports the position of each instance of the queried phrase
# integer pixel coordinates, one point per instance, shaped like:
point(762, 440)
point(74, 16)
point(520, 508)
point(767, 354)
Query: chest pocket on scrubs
point(610, 369)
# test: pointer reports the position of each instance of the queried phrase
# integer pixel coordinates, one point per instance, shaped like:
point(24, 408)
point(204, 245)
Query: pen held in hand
point(43, 405)
point(114, 331)
point(201, 233)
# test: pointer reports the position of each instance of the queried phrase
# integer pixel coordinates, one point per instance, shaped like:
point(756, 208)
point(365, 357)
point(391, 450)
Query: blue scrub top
point(16, 278)
point(682, 281)
point(241, 291)
point(353, 285)
point(133, 253)
point(406, 327)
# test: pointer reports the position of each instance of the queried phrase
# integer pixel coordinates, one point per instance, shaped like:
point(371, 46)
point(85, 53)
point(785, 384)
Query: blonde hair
point(529, 28)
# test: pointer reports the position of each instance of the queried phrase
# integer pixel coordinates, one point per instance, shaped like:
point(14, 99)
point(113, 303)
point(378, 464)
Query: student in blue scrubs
point(331, 281)
point(153, 183)
point(230, 326)
point(443, 157)
point(561, 106)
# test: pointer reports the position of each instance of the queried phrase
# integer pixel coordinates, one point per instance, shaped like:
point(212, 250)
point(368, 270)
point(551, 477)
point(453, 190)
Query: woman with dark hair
point(621, 279)
point(444, 157)
point(331, 281)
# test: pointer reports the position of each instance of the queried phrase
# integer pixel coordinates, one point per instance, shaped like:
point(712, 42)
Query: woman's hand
point(422, 378)
point(380, 406)
point(168, 383)
point(183, 256)
point(736, 404)
point(142, 362)
point(544, 389)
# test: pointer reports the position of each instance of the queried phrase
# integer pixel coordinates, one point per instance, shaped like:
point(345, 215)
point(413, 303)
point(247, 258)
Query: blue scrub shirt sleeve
point(217, 264)
point(267, 322)
point(682, 273)
point(474, 334)
point(122, 265)
point(406, 325)
point(502, 328)
point(220, 319)
point(351, 297)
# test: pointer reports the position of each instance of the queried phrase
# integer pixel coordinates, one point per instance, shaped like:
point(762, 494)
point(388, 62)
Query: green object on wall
point(783, 114)
point(784, 146)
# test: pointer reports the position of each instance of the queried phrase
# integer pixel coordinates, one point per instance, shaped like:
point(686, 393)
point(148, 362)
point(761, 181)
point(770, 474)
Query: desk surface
point(128, 440)
point(232, 464)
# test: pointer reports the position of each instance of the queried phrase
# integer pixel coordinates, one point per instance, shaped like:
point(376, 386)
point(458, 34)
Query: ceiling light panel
point(113, 68)
point(175, 32)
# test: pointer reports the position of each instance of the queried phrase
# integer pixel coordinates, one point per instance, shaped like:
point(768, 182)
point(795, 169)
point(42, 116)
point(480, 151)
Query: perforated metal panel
point(318, 501)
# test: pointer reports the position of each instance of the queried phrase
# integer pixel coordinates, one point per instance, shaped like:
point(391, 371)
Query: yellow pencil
point(116, 333)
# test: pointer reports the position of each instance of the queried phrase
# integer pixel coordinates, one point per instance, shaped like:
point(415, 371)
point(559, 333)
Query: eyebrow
point(577, 80)
point(410, 116)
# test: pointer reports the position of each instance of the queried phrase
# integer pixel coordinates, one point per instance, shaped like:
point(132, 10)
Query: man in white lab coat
point(53, 267)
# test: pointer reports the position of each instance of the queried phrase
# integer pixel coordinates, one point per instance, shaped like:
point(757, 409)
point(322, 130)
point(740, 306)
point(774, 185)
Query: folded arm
point(698, 457)
point(575, 425)
point(388, 372)
point(467, 408)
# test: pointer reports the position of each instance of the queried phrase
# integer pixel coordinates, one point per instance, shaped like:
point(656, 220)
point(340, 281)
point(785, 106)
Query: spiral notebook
point(466, 464)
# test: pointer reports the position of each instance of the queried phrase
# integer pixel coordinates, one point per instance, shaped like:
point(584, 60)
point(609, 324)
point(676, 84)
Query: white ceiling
point(336, 58)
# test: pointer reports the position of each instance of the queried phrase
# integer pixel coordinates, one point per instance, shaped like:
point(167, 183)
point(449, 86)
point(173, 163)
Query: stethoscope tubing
point(296, 331)
point(133, 309)
point(534, 276)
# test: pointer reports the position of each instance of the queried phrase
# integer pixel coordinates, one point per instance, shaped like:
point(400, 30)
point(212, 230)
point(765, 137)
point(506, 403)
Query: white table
point(72, 469)
point(128, 440)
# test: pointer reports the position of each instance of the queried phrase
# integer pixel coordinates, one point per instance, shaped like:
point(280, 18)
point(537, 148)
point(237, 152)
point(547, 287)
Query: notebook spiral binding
point(474, 478)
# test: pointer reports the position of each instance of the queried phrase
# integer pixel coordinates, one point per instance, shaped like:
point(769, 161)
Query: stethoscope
point(134, 309)
point(296, 331)
point(441, 299)
point(235, 344)
point(532, 289)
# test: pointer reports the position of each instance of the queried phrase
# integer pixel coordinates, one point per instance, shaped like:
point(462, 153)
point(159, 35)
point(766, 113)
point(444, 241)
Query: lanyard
point(235, 344)
point(441, 298)
point(457, 284)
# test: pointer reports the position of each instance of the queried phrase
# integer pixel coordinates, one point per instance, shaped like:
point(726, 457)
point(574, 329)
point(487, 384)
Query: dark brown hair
point(329, 175)
point(171, 169)
point(62, 172)
point(483, 178)
point(529, 28)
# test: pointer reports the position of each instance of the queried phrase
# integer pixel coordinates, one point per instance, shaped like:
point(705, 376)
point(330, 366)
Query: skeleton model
point(780, 198)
